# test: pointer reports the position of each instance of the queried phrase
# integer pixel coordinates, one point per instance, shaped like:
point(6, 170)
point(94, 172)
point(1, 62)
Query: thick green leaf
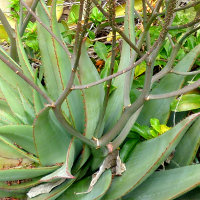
point(10, 83)
point(8, 194)
point(116, 100)
point(24, 173)
point(38, 103)
point(49, 56)
point(145, 159)
point(160, 108)
point(24, 62)
point(93, 97)
point(97, 192)
point(51, 140)
point(187, 148)
point(85, 154)
point(167, 184)
point(22, 187)
point(125, 131)
point(13, 99)
point(55, 192)
point(18, 150)
point(65, 170)
point(7, 119)
point(28, 108)
point(11, 156)
point(12, 78)
point(57, 67)
point(186, 102)
point(58, 190)
point(127, 149)
point(22, 135)
point(3, 104)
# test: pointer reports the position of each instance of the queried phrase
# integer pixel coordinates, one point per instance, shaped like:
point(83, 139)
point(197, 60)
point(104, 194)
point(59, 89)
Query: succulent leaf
point(24, 173)
point(163, 184)
point(12, 78)
point(98, 191)
point(64, 172)
point(21, 186)
point(160, 108)
point(24, 62)
point(22, 135)
point(57, 66)
point(145, 159)
point(188, 147)
point(116, 100)
point(92, 106)
point(55, 192)
point(46, 129)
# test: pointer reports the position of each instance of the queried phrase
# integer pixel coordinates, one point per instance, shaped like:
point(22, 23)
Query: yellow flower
point(164, 128)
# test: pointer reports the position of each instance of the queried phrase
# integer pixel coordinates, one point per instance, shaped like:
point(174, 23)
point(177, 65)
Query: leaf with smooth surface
point(97, 192)
point(24, 62)
point(13, 99)
point(10, 156)
point(85, 154)
point(186, 150)
point(24, 173)
point(49, 56)
point(3, 104)
point(93, 97)
point(160, 108)
point(186, 102)
point(10, 83)
point(28, 108)
point(22, 187)
point(24, 155)
point(116, 100)
point(57, 66)
point(12, 78)
point(168, 184)
point(22, 135)
point(64, 172)
point(145, 159)
point(8, 119)
point(8, 194)
point(51, 140)
point(39, 102)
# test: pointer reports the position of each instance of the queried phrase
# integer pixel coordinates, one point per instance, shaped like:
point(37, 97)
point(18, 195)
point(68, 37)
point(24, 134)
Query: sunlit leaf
point(186, 102)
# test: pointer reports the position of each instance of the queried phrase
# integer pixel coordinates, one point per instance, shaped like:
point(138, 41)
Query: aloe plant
point(55, 134)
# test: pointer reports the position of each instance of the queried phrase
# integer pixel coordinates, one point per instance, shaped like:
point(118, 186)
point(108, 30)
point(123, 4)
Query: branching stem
point(111, 134)
point(28, 16)
point(177, 92)
point(48, 29)
point(133, 46)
